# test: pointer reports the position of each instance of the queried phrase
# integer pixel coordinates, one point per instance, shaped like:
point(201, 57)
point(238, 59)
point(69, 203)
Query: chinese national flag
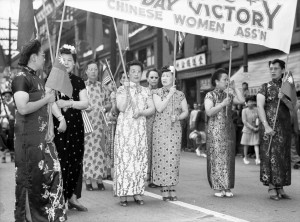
point(26, 24)
point(59, 79)
point(288, 88)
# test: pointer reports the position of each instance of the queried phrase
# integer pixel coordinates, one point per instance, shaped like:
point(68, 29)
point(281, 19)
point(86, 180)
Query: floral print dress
point(220, 144)
point(275, 167)
point(167, 141)
point(130, 145)
point(38, 173)
point(94, 161)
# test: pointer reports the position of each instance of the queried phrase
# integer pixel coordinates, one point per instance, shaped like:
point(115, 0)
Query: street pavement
point(196, 201)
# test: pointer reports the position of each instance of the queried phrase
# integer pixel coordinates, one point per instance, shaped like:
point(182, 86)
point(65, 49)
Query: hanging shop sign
point(191, 62)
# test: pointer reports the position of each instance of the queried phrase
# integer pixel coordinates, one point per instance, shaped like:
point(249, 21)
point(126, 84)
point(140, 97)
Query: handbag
point(88, 127)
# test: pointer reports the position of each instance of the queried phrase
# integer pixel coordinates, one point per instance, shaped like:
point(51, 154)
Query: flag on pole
point(94, 30)
point(181, 37)
point(26, 24)
point(123, 29)
point(59, 79)
point(288, 88)
point(170, 44)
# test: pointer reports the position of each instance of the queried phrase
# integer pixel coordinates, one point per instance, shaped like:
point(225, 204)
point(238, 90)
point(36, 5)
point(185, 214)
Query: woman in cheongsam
point(94, 161)
point(130, 146)
point(39, 185)
point(70, 144)
point(220, 145)
point(171, 107)
point(275, 167)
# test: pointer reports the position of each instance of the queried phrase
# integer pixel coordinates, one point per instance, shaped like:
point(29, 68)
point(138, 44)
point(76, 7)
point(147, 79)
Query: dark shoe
point(109, 177)
point(89, 187)
point(124, 203)
point(101, 186)
point(138, 201)
point(152, 185)
point(12, 158)
point(272, 195)
point(282, 194)
point(165, 198)
point(173, 197)
point(77, 207)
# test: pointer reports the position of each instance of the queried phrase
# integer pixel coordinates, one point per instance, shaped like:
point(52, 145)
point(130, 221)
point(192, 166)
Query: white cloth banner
point(264, 22)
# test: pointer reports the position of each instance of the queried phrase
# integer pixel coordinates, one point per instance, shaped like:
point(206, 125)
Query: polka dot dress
point(70, 144)
point(166, 143)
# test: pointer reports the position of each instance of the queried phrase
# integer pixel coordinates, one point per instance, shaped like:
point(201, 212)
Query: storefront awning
point(258, 71)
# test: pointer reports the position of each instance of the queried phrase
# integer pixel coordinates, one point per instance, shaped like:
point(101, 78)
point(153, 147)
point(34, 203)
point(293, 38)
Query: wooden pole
point(229, 74)
point(174, 61)
point(274, 123)
point(48, 33)
point(119, 46)
point(60, 28)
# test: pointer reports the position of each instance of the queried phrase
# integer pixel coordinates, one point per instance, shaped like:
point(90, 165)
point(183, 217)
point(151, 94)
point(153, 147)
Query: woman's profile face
point(122, 80)
point(167, 78)
point(92, 71)
point(222, 83)
point(68, 62)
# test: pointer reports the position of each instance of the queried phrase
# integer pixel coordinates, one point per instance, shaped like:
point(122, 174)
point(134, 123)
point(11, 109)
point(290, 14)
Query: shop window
point(145, 55)
point(201, 44)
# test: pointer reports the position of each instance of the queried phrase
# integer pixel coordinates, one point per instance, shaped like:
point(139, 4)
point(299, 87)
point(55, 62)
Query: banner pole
point(60, 28)
point(48, 33)
point(174, 64)
point(274, 123)
point(229, 74)
point(118, 67)
point(119, 46)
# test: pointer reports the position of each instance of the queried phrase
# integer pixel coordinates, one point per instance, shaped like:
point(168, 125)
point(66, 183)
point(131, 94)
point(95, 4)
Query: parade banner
point(264, 22)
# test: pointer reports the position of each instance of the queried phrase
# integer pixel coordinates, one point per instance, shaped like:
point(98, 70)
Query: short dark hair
point(245, 83)
point(217, 75)
point(151, 70)
point(134, 63)
point(167, 69)
point(63, 50)
point(32, 47)
point(250, 98)
point(89, 63)
point(279, 61)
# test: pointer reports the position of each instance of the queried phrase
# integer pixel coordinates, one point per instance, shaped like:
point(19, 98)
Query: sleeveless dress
point(38, 171)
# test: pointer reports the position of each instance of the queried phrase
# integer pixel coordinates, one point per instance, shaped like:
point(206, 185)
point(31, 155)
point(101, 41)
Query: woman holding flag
point(94, 160)
point(275, 168)
point(130, 159)
point(220, 138)
point(70, 144)
point(171, 107)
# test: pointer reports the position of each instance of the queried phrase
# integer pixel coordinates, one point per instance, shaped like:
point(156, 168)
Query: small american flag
point(88, 128)
point(181, 37)
point(123, 28)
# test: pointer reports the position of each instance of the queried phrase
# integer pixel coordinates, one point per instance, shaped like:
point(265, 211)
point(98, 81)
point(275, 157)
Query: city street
point(196, 201)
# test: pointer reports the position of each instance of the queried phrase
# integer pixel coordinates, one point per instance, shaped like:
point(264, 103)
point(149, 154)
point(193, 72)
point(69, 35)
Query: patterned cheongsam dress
point(38, 172)
point(220, 144)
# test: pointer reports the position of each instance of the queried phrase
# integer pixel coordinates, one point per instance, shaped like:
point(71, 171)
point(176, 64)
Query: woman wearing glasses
point(152, 79)
point(275, 167)
point(94, 160)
